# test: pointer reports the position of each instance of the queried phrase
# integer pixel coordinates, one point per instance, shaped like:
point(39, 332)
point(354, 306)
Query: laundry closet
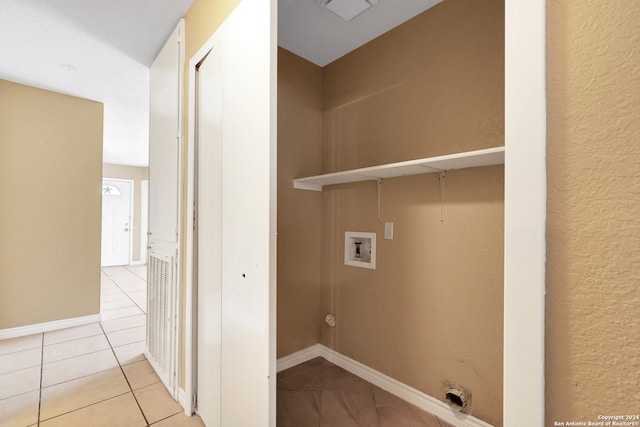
point(431, 311)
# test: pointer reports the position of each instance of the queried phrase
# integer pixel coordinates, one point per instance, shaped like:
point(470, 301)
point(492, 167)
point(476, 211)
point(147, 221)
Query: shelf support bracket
point(379, 182)
point(441, 177)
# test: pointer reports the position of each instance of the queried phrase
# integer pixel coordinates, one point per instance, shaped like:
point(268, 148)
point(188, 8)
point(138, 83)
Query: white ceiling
point(102, 50)
point(95, 49)
point(309, 30)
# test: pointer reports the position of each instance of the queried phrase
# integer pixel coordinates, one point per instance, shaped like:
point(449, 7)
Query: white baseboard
point(182, 400)
point(141, 262)
point(395, 387)
point(304, 355)
point(38, 328)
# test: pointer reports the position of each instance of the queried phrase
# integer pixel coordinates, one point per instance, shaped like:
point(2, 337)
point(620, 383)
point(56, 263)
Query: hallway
point(97, 375)
point(92, 375)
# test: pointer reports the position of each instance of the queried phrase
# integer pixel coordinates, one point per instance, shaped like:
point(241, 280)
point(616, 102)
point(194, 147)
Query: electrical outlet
point(388, 230)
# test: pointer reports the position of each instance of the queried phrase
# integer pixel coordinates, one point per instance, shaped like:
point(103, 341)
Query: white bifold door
point(208, 236)
point(230, 364)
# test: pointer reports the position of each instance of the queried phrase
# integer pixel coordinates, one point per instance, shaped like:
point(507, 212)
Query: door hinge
point(195, 217)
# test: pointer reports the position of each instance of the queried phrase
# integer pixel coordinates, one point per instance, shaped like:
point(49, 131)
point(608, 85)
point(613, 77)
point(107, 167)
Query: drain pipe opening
point(458, 398)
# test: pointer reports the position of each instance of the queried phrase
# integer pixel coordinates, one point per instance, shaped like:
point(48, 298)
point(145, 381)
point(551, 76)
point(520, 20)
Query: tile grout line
point(165, 418)
point(85, 406)
point(72, 339)
point(127, 328)
point(126, 267)
point(42, 363)
point(109, 341)
point(123, 291)
point(19, 394)
point(124, 317)
point(122, 308)
point(22, 369)
point(18, 351)
point(126, 379)
point(73, 357)
point(144, 312)
point(84, 376)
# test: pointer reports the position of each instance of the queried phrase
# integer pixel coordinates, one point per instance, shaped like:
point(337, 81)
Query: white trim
point(166, 247)
point(395, 387)
point(190, 353)
point(144, 221)
point(468, 159)
point(179, 259)
point(141, 262)
point(54, 325)
point(525, 213)
point(182, 400)
point(205, 48)
point(525, 142)
point(304, 355)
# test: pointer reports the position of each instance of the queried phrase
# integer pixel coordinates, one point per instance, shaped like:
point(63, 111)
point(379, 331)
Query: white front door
point(116, 222)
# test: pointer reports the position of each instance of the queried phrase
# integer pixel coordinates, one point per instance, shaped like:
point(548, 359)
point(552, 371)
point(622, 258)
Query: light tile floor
point(97, 375)
point(91, 375)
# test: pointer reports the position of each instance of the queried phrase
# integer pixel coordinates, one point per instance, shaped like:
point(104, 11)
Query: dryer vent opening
point(458, 398)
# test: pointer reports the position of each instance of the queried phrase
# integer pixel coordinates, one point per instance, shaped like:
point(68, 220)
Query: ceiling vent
point(348, 10)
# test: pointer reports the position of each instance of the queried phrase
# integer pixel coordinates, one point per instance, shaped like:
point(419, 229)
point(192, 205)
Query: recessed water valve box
point(360, 249)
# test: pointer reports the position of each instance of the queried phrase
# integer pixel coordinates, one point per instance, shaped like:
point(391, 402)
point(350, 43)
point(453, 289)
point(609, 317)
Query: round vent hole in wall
point(458, 398)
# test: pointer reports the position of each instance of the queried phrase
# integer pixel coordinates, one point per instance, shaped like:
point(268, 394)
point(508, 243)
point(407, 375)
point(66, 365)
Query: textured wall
point(50, 213)
point(299, 131)
point(593, 230)
point(432, 309)
point(433, 83)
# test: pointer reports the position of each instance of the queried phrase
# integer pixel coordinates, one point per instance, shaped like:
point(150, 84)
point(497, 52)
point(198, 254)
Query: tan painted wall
point(433, 83)
point(403, 304)
point(593, 237)
point(50, 214)
point(299, 212)
point(432, 310)
point(136, 174)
